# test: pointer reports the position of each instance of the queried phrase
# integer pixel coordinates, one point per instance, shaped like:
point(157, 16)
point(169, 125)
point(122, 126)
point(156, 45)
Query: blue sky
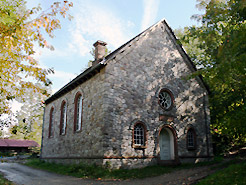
point(112, 21)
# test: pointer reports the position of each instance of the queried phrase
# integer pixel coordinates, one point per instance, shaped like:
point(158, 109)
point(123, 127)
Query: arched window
point(51, 125)
point(78, 110)
point(166, 99)
point(63, 123)
point(139, 136)
point(191, 139)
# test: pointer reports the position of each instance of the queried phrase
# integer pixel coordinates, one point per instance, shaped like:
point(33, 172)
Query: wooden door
point(164, 143)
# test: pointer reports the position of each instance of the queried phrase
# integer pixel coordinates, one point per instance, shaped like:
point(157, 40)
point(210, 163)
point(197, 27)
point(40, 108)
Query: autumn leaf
point(19, 32)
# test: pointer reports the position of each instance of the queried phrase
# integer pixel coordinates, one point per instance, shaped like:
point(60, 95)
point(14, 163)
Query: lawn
point(95, 172)
point(4, 181)
point(233, 174)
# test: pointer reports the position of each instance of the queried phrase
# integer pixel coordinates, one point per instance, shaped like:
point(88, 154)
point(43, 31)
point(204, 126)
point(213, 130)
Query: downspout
point(206, 123)
point(42, 135)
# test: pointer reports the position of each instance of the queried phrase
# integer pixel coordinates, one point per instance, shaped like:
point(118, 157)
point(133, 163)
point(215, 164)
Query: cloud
point(60, 78)
point(54, 90)
point(94, 23)
point(44, 54)
point(65, 77)
point(54, 53)
point(79, 44)
point(150, 13)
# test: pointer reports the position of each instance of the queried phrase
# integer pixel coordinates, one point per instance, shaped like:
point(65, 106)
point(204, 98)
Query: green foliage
point(4, 181)
point(19, 32)
point(14, 153)
point(30, 117)
point(103, 172)
point(6, 154)
point(5, 123)
point(94, 171)
point(190, 46)
point(234, 174)
point(221, 60)
point(35, 151)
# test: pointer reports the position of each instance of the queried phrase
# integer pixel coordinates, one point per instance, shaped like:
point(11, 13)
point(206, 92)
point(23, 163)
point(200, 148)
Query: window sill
point(191, 148)
point(139, 147)
point(77, 131)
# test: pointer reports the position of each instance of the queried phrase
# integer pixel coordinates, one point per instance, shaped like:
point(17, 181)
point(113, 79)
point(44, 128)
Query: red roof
point(17, 143)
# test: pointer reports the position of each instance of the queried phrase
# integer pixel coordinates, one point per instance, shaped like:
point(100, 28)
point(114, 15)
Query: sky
point(112, 21)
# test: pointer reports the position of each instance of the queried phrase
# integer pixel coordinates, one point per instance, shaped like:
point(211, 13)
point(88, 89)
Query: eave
point(86, 75)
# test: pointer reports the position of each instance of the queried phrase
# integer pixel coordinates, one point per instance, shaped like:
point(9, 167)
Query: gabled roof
point(17, 143)
point(90, 72)
point(184, 54)
point(87, 74)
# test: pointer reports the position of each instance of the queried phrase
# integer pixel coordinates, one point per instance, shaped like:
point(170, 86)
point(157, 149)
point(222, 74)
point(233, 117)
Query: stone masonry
point(124, 91)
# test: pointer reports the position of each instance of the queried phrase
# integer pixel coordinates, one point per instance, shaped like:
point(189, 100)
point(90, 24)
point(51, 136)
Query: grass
point(4, 181)
point(233, 174)
point(95, 172)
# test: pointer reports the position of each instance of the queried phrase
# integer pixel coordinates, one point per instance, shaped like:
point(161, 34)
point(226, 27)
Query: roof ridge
point(91, 71)
point(98, 66)
point(6, 142)
point(182, 51)
point(115, 52)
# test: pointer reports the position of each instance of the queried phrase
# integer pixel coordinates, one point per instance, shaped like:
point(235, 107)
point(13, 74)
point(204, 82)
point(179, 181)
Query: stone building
point(132, 108)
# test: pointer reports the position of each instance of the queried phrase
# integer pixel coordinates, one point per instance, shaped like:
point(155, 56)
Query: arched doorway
point(166, 144)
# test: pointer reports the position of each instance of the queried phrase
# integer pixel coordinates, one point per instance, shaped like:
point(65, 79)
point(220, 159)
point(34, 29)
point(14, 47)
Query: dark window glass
point(139, 139)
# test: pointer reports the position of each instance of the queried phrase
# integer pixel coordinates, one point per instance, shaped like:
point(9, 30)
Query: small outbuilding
point(13, 145)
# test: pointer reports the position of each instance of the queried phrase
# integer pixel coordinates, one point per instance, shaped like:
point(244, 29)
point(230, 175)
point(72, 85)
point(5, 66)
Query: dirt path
point(185, 176)
point(20, 174)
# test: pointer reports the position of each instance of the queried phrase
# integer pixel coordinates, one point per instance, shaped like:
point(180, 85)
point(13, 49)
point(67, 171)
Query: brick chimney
point(100, 51)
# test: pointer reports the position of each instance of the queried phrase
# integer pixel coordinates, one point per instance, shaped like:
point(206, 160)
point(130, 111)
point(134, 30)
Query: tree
point(19, 32)
point(191, 46)
point(30, 117)
point(222, 37)
point(6, 122)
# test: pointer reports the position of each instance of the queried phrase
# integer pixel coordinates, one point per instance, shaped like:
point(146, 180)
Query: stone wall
point(126, 91)
point(77, 146)
point(134, 78)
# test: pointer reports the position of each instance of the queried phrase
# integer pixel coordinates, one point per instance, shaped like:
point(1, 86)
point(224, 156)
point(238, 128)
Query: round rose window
point(165, 99)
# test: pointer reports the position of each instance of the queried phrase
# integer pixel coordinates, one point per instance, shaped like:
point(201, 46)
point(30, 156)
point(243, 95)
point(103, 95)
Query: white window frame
point(79, 113)
point(64, 118)
point(51, 129)
point(139, 135)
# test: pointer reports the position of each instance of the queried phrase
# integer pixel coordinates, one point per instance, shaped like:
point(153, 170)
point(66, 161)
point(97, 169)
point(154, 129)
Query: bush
point(234, 174)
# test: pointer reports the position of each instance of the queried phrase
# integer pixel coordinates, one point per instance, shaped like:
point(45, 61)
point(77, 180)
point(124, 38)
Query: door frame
point(170, 129)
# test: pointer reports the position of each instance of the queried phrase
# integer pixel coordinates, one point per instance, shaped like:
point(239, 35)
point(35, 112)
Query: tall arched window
point(63, 123)
point(78, 110)
point(191, 139)
point(51, 125)
point(139, 136)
